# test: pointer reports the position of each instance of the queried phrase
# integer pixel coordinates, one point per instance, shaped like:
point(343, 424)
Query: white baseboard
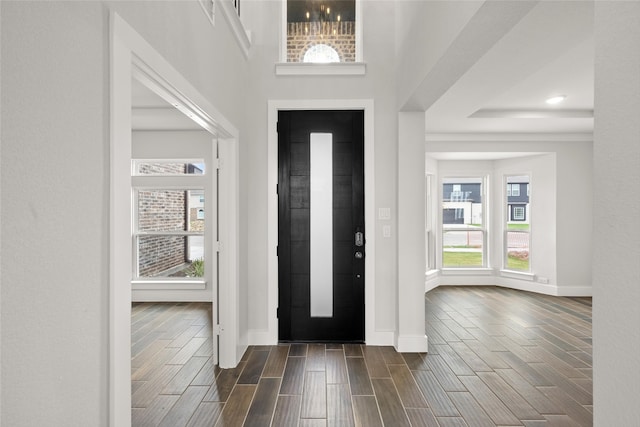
point(431, 280)
point(380, 338)
point(261, 337)
point(147, 295)
point(575, 291)
point(524, 284)
point(412, 344)
point(451, 280)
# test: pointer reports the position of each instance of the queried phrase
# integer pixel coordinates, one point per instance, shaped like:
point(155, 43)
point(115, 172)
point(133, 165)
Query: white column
point(410, 334)
point(616, 260)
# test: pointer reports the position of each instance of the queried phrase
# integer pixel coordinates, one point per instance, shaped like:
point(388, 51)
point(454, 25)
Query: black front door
point(321, 230)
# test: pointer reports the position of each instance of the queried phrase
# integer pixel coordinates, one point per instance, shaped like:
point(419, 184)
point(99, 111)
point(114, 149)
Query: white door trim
point(130, 54)
point(270, 335)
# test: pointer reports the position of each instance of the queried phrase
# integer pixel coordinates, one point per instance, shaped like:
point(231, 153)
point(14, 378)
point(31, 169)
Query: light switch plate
point(386, 231)
point(384, 214)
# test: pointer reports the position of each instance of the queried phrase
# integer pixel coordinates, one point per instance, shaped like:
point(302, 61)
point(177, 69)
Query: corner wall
point(616, 258)
point(265, 86)
point(55, 189)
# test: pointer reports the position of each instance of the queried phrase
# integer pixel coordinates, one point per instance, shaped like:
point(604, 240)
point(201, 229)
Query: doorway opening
point(373, 336)
point(134, 62)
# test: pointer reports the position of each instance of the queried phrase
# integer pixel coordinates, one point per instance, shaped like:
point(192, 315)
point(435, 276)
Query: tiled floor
point(496, 357)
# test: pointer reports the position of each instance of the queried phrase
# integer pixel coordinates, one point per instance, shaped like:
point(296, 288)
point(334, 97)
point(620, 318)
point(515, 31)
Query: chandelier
point(327, 24)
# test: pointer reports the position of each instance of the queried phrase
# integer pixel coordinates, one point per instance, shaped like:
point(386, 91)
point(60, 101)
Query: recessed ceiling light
point(556, 99)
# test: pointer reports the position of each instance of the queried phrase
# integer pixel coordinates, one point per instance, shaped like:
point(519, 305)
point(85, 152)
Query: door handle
point(359, 238)
point(359, 255)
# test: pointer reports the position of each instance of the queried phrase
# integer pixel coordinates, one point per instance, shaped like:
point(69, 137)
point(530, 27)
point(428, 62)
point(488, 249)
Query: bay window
point(464, 233)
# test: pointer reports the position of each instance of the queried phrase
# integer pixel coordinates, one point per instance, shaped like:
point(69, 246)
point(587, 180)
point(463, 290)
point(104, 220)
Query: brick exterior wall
point(162, 168)
point(161, 211)
point(196, 224)
point(299, 40)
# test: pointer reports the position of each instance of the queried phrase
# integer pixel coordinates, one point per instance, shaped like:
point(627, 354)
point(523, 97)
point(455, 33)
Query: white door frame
point(130, 54)
point(372, 337)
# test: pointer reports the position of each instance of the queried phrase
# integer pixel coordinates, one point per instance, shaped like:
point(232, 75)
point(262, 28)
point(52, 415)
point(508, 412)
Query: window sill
point(168, 285)
point(333, 69)
point(467, 271)
point(242, 36)
point(518, 275)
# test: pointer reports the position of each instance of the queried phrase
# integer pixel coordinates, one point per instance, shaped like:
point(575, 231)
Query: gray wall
point(378, 24)
point(55, 189)
point(616, 261)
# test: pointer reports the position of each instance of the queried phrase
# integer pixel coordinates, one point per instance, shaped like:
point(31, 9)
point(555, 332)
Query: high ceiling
point(548, 52)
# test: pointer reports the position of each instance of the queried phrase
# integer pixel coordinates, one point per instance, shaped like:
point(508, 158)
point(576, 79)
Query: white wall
point(410, 334)
point(428, 27)
point(55, 194)
point(561, 214)
point(542, 171)
point(616, 260)
point(262, 18)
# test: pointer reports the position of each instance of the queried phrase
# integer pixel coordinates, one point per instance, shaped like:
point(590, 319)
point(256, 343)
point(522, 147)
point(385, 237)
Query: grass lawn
point(462, 259)
point(474, 259)
point(514, 263)
point(517, 226)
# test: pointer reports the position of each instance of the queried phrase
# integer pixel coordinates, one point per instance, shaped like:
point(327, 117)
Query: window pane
point(429, 241)
point(321, 218)
point(170, 256)
point(462, 248)
point(169, 168)
point(170, 210)
point(518, 250)
point(518, 232)
point(462, 202)
point(330, 24)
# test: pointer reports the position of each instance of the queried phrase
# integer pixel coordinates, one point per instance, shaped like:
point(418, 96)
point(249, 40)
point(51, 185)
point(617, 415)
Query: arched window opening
point(321, 53)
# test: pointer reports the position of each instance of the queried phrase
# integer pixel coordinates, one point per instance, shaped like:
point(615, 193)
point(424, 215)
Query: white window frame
point(430, 263)
point(162, 182)
point(484, 183)
point(508, 218)
point(519, 209)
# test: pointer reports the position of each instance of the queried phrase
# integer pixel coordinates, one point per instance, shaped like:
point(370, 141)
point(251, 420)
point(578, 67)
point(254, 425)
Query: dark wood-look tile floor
point(497, 357)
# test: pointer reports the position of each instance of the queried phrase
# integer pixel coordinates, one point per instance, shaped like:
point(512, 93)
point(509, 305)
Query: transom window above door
point(321, 31)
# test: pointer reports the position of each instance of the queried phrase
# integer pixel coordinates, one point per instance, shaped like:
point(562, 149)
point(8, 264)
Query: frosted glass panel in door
point(321, 218)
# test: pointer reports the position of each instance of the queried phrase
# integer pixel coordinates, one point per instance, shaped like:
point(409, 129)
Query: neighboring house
point(461, 203)
point(518, 202)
